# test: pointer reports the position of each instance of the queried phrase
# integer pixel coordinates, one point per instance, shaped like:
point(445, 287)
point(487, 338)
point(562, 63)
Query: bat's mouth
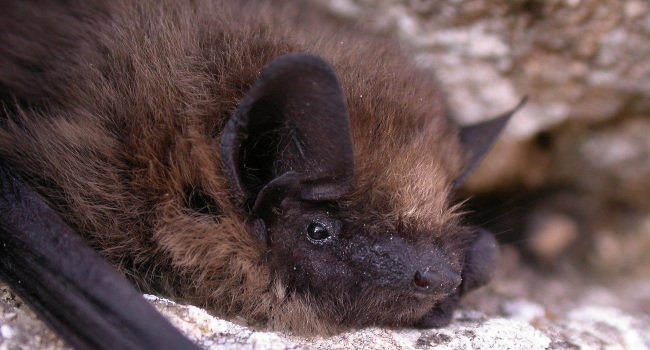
point(388, 307)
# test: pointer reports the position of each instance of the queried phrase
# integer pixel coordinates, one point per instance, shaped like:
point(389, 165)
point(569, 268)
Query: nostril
point(436, 281)
point(421, 280)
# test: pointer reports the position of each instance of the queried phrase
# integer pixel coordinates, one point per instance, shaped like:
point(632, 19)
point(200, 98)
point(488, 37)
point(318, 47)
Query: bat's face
point(289, 155)
point(374, 273)
point(316, 249)
point(362, 273)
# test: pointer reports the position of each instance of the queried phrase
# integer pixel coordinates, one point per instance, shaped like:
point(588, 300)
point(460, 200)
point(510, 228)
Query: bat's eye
point(317, 231)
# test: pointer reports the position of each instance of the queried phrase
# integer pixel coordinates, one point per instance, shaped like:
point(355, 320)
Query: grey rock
point(582, 59)
point(594, 321)
point(19, 327)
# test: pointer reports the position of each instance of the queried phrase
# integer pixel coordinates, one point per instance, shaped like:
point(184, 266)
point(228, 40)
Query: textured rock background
point(521, 310)
point(569, 182)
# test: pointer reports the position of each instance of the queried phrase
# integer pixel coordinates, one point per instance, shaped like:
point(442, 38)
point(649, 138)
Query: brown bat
point(248, 157)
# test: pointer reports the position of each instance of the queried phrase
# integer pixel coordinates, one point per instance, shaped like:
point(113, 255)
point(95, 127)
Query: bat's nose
point(436, 281)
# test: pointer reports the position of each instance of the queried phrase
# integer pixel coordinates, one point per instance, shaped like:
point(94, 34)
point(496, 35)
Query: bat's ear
point(480, 262)
point(478, 139)
point(291, 132)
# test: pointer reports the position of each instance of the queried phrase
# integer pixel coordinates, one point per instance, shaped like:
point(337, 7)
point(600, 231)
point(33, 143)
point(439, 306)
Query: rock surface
point(520, 310)
point(577, 59)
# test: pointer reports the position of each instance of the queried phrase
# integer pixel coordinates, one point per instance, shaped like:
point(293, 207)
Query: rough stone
point(583, 60)
point(19, 327)
point(520, 310)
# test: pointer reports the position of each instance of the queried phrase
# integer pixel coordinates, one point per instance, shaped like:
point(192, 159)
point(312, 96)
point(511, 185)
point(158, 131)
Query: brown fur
point(113, 111)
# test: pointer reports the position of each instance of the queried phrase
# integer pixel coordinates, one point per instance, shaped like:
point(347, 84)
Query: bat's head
point(366, 242)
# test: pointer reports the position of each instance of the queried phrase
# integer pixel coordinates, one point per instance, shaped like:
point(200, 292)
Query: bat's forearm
point(68, 284)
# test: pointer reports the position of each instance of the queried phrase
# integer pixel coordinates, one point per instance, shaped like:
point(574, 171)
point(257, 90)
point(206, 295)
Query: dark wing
point(68, 284)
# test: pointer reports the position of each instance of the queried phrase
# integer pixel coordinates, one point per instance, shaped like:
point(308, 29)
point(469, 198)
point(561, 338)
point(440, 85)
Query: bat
point(251, 158)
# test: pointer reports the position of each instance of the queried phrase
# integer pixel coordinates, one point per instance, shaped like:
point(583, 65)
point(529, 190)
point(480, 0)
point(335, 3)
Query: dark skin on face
point(316, 251)
point(291, 179)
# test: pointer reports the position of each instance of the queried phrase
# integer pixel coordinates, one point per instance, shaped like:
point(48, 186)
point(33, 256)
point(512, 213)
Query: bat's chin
point(392, 308)
point(424, 311)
